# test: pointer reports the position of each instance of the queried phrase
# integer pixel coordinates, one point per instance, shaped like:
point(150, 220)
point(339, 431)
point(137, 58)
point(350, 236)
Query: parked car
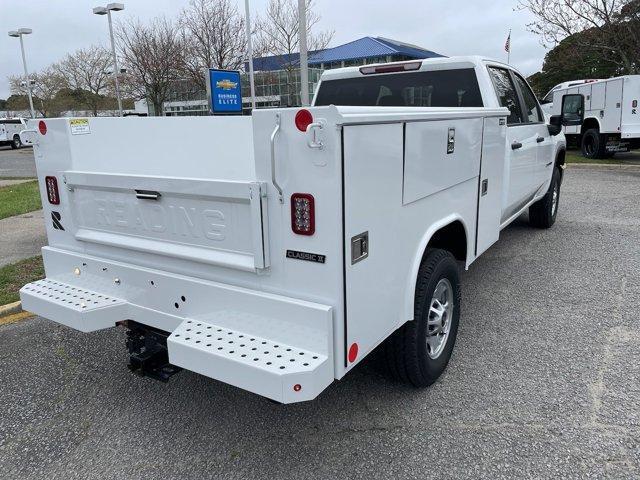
point(275, 252)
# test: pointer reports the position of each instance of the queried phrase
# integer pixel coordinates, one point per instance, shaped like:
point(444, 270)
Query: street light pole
point(19, 33)
point(116, 72)
point(250, 55)
point(304, 67)
point(115, 7)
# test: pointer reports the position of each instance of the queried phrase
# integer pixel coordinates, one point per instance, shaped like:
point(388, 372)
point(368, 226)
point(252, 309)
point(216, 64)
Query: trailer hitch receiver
point(148, 356)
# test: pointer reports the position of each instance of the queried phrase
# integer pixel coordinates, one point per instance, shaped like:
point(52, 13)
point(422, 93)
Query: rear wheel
point(543, 213)
point(419, 351)
point(594, 145)
point(16, 143)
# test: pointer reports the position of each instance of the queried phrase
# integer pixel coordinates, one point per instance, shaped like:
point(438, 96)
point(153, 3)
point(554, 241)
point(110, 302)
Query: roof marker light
point(391, 68)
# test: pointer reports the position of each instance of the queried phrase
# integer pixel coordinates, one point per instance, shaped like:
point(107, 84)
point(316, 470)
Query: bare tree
point(46, 89)
point(213, 32)
point(277, 34)
point(278, 30)
point(611, 29)
point(153, 57)
point(87, 71)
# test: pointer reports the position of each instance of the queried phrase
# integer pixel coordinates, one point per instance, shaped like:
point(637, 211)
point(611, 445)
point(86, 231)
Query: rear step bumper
point(282, 372)
point(278, 347)
point(75, 307)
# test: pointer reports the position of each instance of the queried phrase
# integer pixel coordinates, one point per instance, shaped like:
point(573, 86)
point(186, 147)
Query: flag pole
point(250, 55)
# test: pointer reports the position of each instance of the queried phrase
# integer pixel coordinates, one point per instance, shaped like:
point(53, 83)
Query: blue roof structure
point(365, 47)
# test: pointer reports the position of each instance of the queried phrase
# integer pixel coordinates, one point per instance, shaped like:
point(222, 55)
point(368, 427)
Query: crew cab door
point(521, 168)
point(533, 117)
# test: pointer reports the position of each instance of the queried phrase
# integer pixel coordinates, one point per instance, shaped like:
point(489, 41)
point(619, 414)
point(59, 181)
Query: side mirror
point(555, 125)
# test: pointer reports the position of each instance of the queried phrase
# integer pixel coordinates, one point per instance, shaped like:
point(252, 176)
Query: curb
point(10, 309)
point(615, 166)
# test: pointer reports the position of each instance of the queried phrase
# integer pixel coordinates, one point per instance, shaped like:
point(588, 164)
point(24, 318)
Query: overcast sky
point(449, 27)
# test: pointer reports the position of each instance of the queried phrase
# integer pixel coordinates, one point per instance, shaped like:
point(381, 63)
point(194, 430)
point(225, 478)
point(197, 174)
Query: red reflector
point(353, 352)
point(297, 387)
point(634, 104)
point(42, 127)
point(395, 67)
point(303, 120)
point(303, 216)
point(52, 190)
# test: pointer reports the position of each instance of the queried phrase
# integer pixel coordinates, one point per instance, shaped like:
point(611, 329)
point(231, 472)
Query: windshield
point(441, 88)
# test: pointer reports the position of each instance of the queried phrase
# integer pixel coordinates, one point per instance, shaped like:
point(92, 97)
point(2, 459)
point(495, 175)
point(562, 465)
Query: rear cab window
point(438, 88)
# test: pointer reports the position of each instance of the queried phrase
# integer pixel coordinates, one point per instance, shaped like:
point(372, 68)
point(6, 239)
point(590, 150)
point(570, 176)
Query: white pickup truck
point(274, 252)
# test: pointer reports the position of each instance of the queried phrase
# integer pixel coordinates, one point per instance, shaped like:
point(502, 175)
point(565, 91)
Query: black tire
point(543, 213)
point(406, 351)
point(594, 145)
point(17, 142)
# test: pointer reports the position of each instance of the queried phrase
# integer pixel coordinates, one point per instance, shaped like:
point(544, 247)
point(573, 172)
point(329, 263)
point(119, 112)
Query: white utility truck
point(605, 114)
point(274, 252)
point(547, 101)
point(10, 129)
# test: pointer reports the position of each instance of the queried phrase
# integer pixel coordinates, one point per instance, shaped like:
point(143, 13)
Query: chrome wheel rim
point(554, 200)
point(439, 318)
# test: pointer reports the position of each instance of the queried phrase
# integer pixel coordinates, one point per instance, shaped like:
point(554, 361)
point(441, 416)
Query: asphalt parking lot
point(544, 381)
point(17, 163)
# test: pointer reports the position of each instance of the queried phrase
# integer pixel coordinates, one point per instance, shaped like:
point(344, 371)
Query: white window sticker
point(79, 126)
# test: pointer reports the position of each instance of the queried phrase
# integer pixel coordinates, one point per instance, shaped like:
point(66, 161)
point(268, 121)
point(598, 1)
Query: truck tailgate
point(212, 221)
point(127, 186)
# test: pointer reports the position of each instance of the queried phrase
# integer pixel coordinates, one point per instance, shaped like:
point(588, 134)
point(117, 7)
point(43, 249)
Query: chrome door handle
point(273, 159)
point(516, 145)
point(540, 139)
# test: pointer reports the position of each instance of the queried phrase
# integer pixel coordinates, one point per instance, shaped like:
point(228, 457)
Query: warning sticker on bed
point(79, 126)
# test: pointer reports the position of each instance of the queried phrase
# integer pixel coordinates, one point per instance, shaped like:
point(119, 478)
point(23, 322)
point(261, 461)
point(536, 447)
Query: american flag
point(507, 45)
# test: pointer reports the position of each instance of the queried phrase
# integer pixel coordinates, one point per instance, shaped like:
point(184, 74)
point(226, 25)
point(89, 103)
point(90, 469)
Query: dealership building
point(277, 78)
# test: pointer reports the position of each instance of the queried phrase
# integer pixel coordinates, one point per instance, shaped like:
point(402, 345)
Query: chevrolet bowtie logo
point(226, 84)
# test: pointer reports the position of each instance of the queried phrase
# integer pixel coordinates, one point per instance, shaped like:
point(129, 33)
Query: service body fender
point(419, 253)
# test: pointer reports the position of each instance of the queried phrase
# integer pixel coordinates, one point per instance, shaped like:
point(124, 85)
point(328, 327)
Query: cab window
point(438, 88)
point(507, 95)
point(549, 97)
point(531, 109)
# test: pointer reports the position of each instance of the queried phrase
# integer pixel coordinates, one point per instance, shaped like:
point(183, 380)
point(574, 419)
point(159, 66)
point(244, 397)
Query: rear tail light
point(303, 217)
point(42, 127)
point(52, 190)
point(396, 67)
